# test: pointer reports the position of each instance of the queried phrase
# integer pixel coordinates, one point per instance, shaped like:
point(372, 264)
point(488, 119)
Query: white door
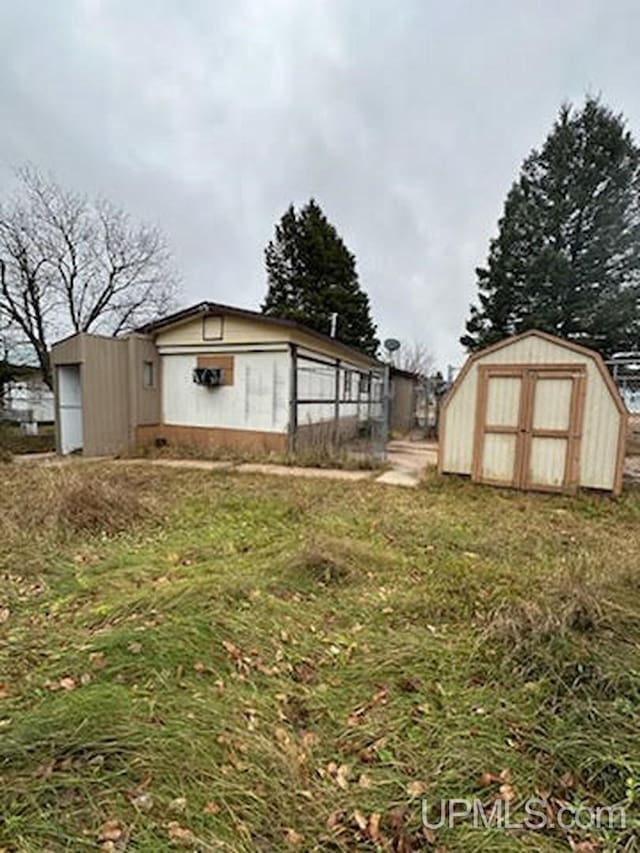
point(69, 407)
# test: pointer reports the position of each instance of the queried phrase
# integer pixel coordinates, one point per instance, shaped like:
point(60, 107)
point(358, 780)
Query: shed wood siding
point(258, 399)
point(602, 418)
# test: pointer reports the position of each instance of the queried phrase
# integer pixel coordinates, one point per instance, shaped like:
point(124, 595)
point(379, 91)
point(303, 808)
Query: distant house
point(27, 399)
point(405, 395)
point(210, 375)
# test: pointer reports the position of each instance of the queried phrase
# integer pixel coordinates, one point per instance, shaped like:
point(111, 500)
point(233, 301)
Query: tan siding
point(240, 330)
point(105, 401)
point(403, 403)
point(68, 351)
point(145, 403)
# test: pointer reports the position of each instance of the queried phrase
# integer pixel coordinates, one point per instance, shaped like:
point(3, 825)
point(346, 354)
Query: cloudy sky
point(406, 119)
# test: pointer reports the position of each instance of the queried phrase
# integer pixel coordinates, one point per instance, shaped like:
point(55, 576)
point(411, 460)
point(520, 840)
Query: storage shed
point(535, 412)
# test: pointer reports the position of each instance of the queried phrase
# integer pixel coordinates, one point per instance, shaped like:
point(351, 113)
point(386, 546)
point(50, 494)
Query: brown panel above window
point(225, 362)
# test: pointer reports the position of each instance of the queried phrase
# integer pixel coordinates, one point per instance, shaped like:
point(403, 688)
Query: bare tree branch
point(73, 264)
point(415, 358)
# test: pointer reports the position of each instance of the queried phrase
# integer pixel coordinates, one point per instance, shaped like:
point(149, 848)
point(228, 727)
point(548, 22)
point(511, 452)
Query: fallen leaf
point(67, 683)
point(360, 820)
point(507, 793)
point(199, 666)
point(142, 801)
point(178, 804)
point(211, 808)
point(335, 821)
point(135, 648)
point(373, 828)
point(487, 779)
point(339, 774)
point(180, 834)
point(416, 788)
point(357, 716)
point(98, 660)
point(364, 781)
point(4, 691)
point(309, 739)
point(587, 846)
point(110, 831)
point(292, 838)
point(4, 614)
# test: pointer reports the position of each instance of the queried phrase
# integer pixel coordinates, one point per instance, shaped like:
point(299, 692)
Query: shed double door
point(528, 426)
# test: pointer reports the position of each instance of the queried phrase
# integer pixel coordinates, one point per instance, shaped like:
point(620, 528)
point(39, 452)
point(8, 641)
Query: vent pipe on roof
point(334, 323)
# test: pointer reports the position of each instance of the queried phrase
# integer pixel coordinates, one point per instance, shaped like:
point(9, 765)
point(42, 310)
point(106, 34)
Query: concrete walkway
point(408, 460)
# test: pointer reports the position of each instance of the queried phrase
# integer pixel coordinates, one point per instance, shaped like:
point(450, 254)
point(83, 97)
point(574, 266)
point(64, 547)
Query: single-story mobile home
point(210, 375)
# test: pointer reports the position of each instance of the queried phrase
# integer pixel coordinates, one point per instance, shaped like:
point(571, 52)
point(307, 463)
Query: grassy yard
point(211, 661)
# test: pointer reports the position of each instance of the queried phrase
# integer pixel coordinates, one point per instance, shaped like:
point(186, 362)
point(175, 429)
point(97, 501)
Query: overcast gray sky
point(406, 119)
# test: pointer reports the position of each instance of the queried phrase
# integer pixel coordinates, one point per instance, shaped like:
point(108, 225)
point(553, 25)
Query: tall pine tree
point(567, 256)
point(311, 274)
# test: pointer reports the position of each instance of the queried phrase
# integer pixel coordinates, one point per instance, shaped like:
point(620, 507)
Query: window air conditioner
point(210, 377)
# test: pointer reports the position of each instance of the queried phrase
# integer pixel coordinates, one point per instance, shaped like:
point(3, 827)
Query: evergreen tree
point(567, 256)
point(311, 274)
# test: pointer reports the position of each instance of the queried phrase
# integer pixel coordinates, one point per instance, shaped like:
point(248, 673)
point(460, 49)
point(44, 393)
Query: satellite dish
point(391, 344)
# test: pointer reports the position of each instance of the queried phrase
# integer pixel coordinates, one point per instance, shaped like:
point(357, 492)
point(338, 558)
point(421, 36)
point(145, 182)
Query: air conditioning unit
point(210, 377)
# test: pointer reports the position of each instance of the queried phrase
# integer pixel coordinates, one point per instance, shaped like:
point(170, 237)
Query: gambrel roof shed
point(535, 412)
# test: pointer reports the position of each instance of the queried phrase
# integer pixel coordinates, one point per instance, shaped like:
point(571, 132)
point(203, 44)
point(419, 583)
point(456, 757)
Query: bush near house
point(222, 662)
point(14, 441)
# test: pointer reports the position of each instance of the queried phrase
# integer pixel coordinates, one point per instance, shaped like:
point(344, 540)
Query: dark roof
point(406, 374)
point(217, 308)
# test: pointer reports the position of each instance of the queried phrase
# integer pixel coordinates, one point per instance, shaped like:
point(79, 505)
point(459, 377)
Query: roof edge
point(554, 339)
point(205, 308)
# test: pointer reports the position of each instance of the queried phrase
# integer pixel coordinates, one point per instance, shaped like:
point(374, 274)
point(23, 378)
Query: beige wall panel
point(105, 398)
point(499, 457)
point(68, 351)
point(547, 461)
point(552, 403)
point(503, 400)
point(145, 402)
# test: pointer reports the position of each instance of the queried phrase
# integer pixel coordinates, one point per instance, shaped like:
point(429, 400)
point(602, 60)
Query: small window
point(347, 386)
point(365, 384)
point(148, 375)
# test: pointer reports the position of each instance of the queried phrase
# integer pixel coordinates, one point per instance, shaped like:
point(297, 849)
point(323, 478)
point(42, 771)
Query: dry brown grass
point(322, 564)
point(573, 602)
point(102, 506)
point(79, 500)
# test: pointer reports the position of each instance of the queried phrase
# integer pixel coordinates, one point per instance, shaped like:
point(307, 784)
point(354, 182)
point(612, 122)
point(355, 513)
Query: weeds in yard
point(294, 664)
point(102, 505)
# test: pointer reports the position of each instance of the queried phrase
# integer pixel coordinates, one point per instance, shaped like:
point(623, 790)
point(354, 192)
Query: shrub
point(101, 506)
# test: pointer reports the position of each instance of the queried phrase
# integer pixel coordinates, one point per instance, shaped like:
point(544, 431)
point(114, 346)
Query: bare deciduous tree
point(72, 264)
point(414, 357)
